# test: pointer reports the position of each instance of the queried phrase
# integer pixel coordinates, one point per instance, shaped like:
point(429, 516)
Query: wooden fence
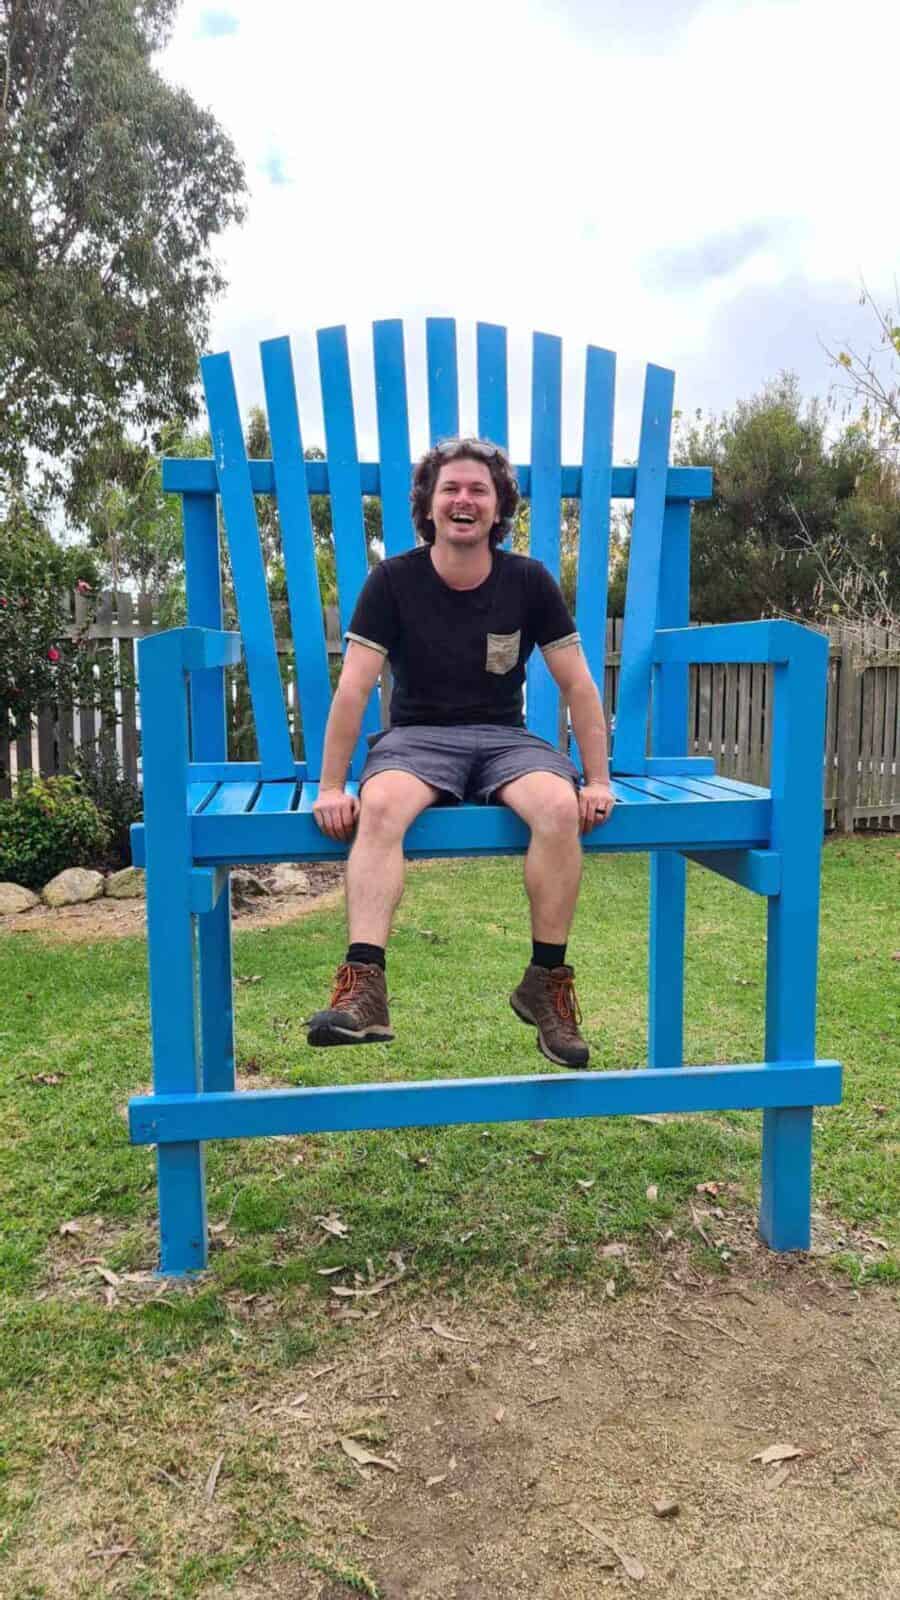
point(730, 712)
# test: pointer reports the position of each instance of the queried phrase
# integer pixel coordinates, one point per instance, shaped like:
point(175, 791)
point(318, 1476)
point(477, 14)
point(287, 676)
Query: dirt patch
point(523, 1454)
point(124, 919)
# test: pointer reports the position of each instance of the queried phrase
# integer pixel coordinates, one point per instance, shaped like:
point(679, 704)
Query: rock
point(246, 886)
point(129, 884)
point(73, 887)
point(13, 899)
point(288, 878)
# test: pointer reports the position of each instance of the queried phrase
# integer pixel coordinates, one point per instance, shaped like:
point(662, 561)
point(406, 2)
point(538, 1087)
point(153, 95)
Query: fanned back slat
point(542, 709)
point(596, 488)
point(346, 496)
point(644, 567)
point(443, 383)
point(275, 753)
point(393, 436)
point(298, 548)
point(493, 393)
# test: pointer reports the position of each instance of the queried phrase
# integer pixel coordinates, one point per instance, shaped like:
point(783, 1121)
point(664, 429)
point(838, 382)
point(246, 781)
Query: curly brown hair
point(425, 480)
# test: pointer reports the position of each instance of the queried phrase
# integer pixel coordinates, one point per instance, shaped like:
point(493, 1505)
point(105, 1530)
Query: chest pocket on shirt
point(502, 651)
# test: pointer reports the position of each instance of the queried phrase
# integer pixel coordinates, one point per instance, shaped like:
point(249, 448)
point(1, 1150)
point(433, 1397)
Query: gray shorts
point(467, 763)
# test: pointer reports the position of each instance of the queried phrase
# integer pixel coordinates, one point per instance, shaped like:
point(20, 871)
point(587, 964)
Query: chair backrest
point(657, 588)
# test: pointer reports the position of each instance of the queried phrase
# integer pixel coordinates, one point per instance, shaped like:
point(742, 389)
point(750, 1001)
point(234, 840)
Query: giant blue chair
point(203, 812)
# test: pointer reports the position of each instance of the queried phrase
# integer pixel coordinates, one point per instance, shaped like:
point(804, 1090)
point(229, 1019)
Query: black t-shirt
point(458, 655)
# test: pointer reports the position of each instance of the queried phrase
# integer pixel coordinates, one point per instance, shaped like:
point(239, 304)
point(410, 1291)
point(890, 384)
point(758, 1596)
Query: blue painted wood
point(738, 642)
point(203, 589)
point(167, 833)
point(248, 574)
point(217, 994)
point(644, 573)
point(756, 870)
point(674, 766)
point(275, 799)
point(231, 799)
point(593, 551)
point(393, 437)
point(669, 715)
point(199, 477)
point(260, 1112)
point(542, 695)
point(638, 823)
point(351, 560)
point(207, 884)
point(797, 775)
point(443, 383)
point(298, 548)
point(493, 390)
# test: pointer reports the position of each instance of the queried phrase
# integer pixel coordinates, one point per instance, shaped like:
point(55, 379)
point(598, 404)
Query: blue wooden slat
point(346, 500)
point(393, 436)
point(757, 870)
point(275, 753)
point(203, 592)
point(661, 790)
point(199, 477)
point(298, 548)
point(443, 383)
point(704, 787)
point(596, 484)
point(231, 799)
point(274, 799)
point(542, 710)
point(493, 390)
point(258, 1112)
point(748, 791)
point(645, 824)
point(644, 568)
point(199, 793)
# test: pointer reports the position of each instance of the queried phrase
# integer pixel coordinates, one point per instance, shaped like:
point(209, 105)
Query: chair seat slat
point(274, 799)
point(231, 799)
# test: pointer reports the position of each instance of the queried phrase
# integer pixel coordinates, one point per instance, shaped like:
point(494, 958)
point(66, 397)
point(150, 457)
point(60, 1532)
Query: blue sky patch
point(273, 167)
point(217, 24)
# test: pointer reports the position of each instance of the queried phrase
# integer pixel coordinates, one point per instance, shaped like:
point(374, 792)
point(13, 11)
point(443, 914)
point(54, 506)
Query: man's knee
point(555, 811)
point(390, 801)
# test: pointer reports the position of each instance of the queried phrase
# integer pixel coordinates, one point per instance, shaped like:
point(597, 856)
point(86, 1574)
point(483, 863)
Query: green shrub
point(99, 775)
point(48, 826)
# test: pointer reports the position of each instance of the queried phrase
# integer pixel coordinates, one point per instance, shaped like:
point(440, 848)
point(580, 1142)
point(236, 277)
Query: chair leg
point(173, 1021)
point(791, 955)
point(217, 995)
point(665, 1046)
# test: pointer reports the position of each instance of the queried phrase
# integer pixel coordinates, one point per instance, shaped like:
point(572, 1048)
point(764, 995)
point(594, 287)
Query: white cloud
point(534, 163)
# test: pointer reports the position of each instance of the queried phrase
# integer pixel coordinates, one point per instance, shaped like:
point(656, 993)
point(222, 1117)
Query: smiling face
point(464, 504)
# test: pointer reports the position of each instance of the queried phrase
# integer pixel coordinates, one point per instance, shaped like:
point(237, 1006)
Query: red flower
point(53, 653)
point(3, 600)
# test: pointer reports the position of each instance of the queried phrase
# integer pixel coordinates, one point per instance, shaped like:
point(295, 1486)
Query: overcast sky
point(699, 183)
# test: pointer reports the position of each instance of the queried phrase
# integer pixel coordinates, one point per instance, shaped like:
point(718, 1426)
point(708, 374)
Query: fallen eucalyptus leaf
point(213, 1478)
point(778, 1452)
point(364, 1458)
point(444, 1333)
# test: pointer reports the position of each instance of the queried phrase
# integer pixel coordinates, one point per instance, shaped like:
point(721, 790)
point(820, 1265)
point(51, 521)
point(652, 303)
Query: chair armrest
point(739, 643)
point(195, 649)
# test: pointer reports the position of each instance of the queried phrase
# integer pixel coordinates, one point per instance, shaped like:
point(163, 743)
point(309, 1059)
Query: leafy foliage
point(45, 828)
point(99, 775)
point(113, 185)
point(38, 659)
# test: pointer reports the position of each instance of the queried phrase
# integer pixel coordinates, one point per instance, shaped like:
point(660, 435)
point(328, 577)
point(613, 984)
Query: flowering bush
point(38, 659)
point(47, 827)
point(99, 775)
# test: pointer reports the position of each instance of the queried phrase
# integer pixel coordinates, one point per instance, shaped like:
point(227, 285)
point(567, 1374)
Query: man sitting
point(458, 617)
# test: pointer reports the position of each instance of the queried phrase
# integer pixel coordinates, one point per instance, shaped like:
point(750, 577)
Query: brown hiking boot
point(546, 998)
point(358, 1013)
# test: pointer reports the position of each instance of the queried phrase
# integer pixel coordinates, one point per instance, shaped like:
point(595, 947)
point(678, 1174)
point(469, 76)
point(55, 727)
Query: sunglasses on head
point(478, 447)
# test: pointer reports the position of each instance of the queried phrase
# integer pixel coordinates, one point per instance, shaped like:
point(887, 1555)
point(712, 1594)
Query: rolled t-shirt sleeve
point(375, 621)
point(551, 622)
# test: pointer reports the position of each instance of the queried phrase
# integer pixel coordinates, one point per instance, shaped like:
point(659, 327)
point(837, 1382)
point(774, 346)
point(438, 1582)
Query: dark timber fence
point(729, 712)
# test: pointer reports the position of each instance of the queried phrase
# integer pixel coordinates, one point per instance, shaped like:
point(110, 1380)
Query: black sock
point(369, 955)
point(547, 955)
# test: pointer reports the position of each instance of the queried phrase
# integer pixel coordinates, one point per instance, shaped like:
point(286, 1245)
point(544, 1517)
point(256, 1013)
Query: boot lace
point(565, 1000)
point(346, 983)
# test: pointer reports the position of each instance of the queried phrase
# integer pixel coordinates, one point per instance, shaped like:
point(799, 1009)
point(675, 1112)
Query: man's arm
point(336, 811)
point(569, 669)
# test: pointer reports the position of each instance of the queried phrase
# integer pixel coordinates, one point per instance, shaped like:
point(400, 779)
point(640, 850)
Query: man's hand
point(595, 804)
point(336, 813)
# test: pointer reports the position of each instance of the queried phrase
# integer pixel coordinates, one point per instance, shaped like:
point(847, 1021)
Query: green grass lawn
point(518, 1205)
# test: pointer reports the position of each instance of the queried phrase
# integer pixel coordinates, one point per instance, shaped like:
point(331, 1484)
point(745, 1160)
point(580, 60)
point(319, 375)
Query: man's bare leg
point(358, 1012)
point(389, 804)
point(553, 864)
